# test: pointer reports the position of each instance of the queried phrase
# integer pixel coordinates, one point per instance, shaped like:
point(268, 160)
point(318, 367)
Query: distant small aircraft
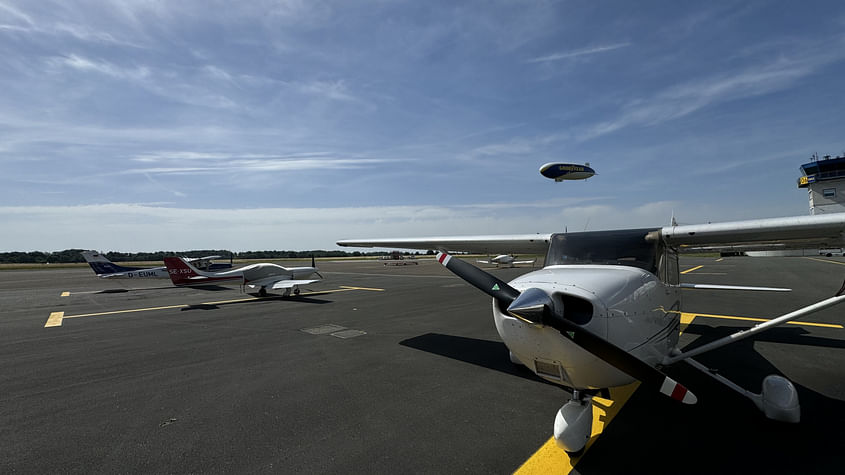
point(262, 276)
point(106, 269)
point(567, 171)
point(506, 260)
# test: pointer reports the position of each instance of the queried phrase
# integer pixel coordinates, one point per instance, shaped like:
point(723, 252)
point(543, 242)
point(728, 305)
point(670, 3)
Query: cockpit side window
point(626, 247)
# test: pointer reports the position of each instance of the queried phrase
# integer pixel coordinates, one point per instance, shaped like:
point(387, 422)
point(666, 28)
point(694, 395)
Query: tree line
point(74, 255)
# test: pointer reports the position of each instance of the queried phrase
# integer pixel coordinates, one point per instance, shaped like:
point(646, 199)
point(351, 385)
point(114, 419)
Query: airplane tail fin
point(102, 265)
point(180, 271)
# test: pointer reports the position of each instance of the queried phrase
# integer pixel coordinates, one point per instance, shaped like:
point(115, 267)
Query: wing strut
point(829, 302)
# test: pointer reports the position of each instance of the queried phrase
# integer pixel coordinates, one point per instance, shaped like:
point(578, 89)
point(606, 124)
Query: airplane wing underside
point(795, 232)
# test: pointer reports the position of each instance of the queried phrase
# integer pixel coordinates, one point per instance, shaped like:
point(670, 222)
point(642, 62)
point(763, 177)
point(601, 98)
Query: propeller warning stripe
point(677, 391)
point(443, 258)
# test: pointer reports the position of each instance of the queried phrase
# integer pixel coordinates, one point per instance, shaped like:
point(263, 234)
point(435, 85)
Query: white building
point(825, 182)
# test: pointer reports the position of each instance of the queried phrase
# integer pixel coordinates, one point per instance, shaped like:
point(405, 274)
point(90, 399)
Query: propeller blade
point(537, 307)
point(485, 282)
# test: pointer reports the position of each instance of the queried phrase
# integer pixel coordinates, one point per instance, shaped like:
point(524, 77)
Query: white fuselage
point(630, 307)
point(255, 272)
point(503, 259)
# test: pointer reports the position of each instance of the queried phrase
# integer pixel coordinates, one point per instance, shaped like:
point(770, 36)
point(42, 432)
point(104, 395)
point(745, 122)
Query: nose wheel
point(574, 424)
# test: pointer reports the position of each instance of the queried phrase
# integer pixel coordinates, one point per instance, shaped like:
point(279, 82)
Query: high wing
point(818, 231)
point(491, 244)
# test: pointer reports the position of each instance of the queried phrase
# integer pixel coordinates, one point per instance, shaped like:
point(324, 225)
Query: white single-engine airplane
point(262, 276)
point(506, 260)
point(106, 269)
point(605, 309)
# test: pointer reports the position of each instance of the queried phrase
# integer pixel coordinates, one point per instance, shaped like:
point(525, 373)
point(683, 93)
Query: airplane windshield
point(625, 248)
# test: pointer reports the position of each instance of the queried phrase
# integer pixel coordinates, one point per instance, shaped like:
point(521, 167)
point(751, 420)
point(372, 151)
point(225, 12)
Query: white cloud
point(334, 90)
point(133, 227)
point(577, 53)
point(16, 13)
point(688, 97)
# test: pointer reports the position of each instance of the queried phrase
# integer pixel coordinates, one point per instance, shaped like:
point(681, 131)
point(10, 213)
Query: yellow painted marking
point(825, 260)
point(55, 319)
point(752, 319)
point(690, 270)
point(550, 458)
point(61, 315)
point(361, 288)
point(133, 310)
point(65, 294)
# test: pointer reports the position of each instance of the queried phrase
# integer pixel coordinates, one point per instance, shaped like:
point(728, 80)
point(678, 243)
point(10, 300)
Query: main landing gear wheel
point(262, 292)
point(296, 291)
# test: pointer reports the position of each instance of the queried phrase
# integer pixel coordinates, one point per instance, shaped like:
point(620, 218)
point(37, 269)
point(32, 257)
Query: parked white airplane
point(262, 276)
point(107, 269)
point(507, 260)
point(605, 309)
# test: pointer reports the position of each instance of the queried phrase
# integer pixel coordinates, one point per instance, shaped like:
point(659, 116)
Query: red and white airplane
point(605, 309)
point(261, 277)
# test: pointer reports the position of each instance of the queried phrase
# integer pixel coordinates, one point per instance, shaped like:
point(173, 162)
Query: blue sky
point(145, 125)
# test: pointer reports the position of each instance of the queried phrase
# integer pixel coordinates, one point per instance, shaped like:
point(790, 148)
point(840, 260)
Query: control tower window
point(829, 192)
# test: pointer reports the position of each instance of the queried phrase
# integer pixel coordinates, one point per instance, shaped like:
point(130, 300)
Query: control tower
point(824, 179)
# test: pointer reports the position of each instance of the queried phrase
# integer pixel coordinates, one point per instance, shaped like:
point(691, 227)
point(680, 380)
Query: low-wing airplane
point(106, 269)
point(605, 309)
point(506, 260)
point(567, 171)
point(262, 276)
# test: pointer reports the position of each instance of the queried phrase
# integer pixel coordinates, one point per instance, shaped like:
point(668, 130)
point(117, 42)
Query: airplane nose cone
point(534, 305)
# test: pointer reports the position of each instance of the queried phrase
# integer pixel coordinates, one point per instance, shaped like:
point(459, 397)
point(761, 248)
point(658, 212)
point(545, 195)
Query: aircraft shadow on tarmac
point(217, 306)
point(792, 335)
point(724, 432)
point(488, 354)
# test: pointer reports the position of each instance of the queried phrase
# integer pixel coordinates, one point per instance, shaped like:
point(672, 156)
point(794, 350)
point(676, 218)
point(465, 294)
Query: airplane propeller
point(535, 306)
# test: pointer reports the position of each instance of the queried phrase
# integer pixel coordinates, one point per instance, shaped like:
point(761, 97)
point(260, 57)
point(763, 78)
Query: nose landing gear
point(574, 423)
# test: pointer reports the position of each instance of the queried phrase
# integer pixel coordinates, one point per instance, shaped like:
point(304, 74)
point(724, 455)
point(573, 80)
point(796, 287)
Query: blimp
point(567, 171)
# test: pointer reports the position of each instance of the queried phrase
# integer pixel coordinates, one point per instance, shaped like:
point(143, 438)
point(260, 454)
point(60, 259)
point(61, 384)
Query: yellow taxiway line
point(752, 319)
point(825, 260)
point(692, 269)
point(549, 458)
point(56, 318)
